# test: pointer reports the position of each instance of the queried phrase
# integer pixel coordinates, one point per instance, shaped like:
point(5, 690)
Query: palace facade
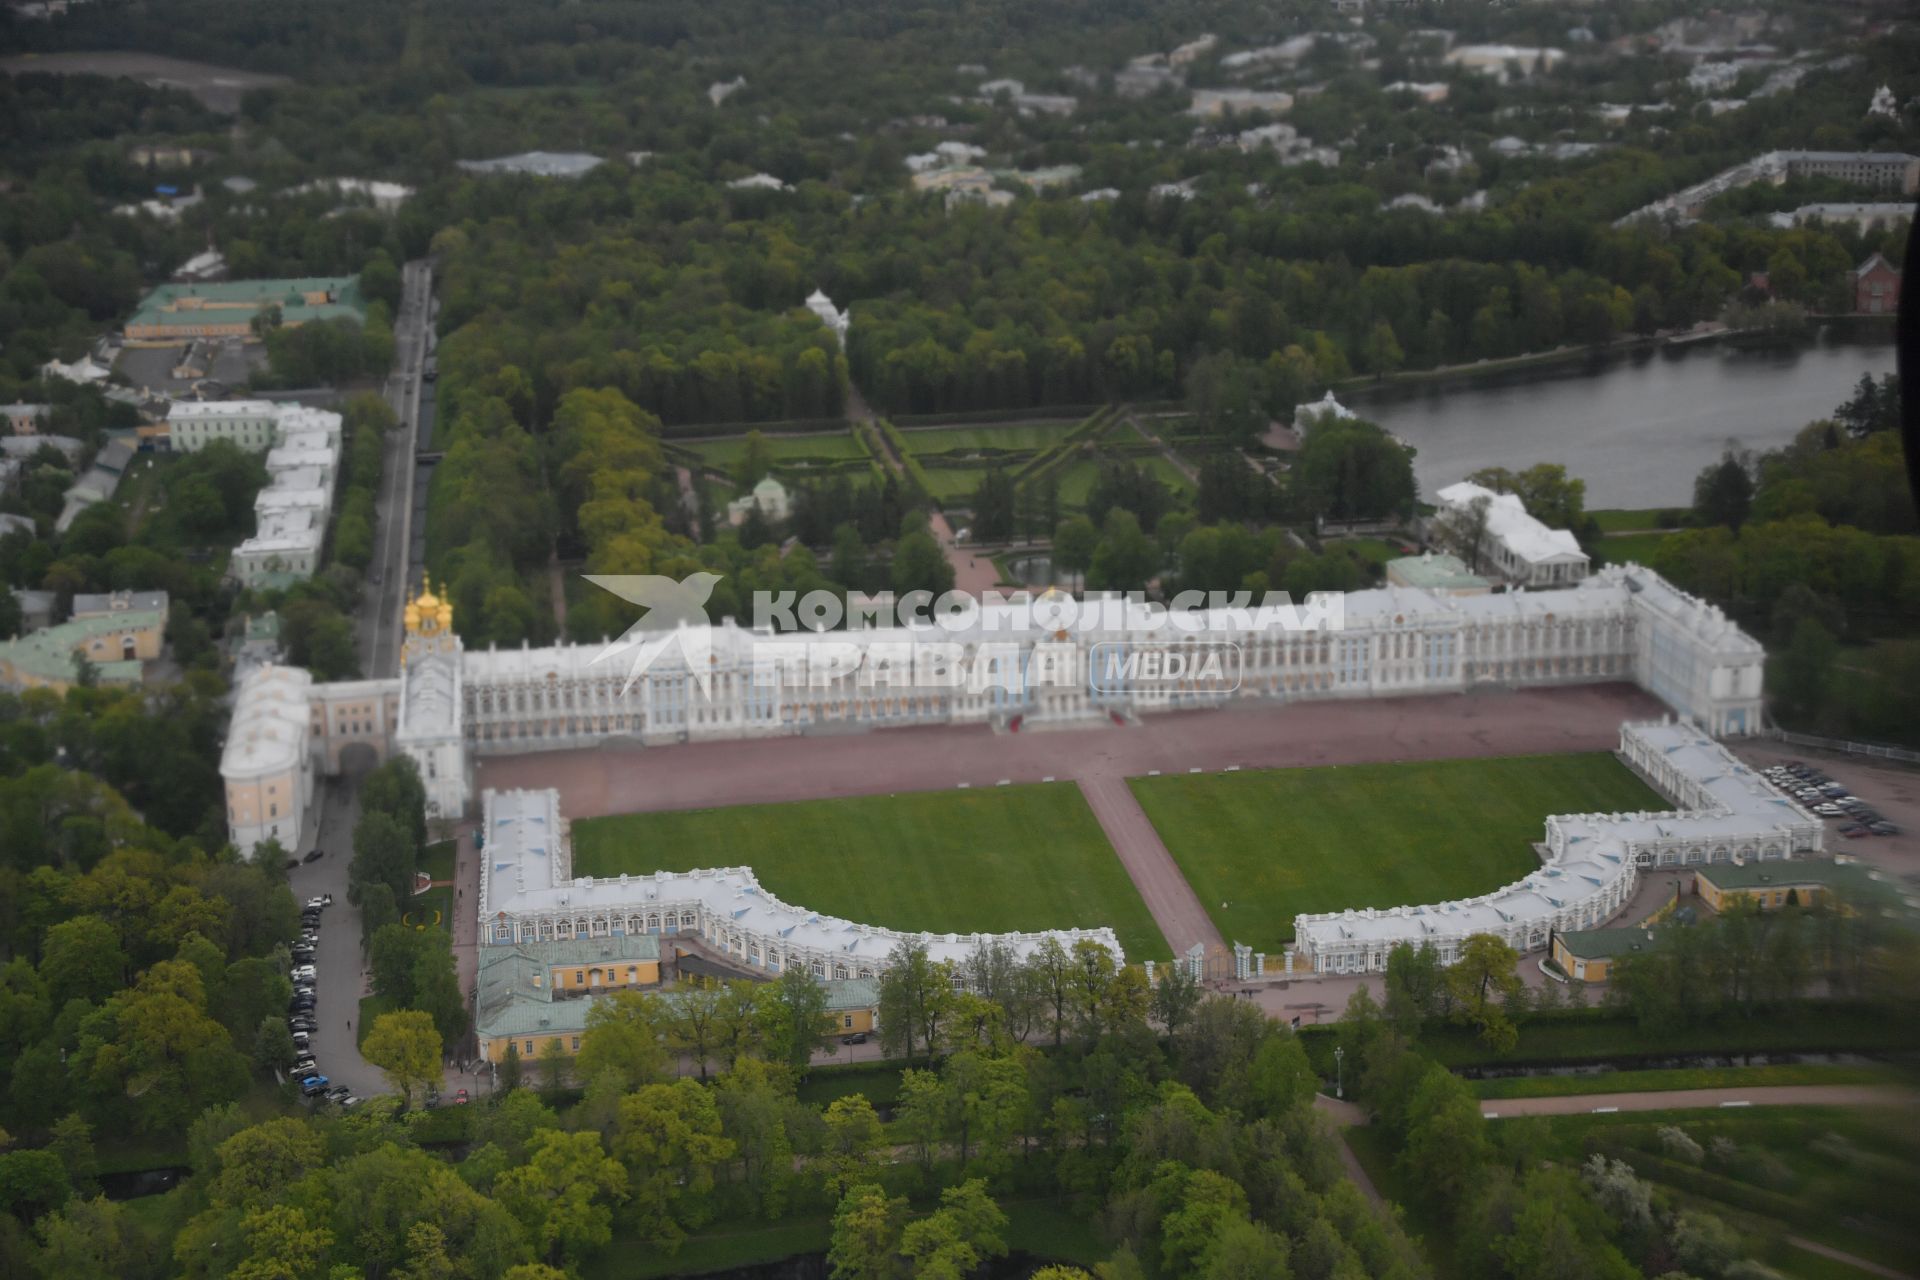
point(449, 705)
point(1724, 816)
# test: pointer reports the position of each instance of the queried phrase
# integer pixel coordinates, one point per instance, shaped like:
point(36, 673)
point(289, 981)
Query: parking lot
point(229, 362)
point(1892, 791)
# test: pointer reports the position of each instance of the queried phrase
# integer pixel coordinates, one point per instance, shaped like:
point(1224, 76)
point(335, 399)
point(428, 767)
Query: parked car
point(1883, 828)
point(315, 856)
point(293, 864)
point(314, 1086)
point(319, 902)
point(460, 1098)
point(858, 1037)
point(1854, 833)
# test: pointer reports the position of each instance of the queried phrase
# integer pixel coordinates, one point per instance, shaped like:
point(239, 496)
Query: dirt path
point(1796, 1095)
point(1853, 1260)
point(1175, 907)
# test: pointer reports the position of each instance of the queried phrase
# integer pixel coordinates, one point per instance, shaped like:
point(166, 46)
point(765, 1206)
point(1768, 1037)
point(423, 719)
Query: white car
point(305, 971)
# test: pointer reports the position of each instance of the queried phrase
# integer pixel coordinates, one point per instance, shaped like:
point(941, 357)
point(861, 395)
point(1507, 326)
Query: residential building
point(1589, 955)
point(1876, 287)
point(519, 1004)
point(83, 370)
point(209, 264)
point(88, 605)
point(1511, 542)
point(253, 425)
point(1771, 885)
point(1431, 92)
point(1502, 61)
point(173, 312)
point(720, 90)
point(1865, 215)
point(36, 608)
point(265, 763)
point(115, 643)
point(99, 481)
point(25, 419)
point(1212, 104)
point(539, 164)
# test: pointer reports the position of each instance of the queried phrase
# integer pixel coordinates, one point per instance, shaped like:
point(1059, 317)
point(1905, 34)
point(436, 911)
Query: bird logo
point(676, 617)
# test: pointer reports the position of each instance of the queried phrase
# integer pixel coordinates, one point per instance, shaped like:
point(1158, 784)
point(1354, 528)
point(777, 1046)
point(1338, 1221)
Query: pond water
point(1637, 428)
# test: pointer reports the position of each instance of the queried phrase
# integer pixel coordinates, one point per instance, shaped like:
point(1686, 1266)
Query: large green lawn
point(995, 859)
point(1030, 436)
point(1272, 843)
point(726, 453)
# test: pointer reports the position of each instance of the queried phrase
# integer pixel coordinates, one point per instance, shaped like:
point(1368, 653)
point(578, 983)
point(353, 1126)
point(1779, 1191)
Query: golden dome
point(428, 614)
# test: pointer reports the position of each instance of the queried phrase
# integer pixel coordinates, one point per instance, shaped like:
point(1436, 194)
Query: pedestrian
point(349, 1024)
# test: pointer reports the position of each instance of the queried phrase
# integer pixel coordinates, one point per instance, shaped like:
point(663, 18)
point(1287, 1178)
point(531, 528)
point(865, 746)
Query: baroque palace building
point(449, 705)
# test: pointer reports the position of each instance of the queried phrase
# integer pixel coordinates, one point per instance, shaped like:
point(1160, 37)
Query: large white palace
point(528, 893)
point(449, 705)
point(1592, 862)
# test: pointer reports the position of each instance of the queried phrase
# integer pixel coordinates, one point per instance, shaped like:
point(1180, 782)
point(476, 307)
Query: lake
point(1637, 428)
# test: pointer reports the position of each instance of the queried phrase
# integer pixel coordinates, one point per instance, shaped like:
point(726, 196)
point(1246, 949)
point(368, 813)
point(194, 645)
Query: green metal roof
point(48, 654)
point(587, 951)
point(1607, 944)
point(160, 306)
point(1435, 572)
point(1777, 875)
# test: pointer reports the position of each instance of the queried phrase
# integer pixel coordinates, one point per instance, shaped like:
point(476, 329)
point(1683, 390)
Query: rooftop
point(176, 304)
point(1607, 944)
point(1435, 572)
point(48, 654)
point(1781, 875)
point(541, 164)
point(1507, 520)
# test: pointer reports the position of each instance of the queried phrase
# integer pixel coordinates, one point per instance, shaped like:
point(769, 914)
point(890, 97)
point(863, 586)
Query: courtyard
point(999, 859)
point(1259, 847)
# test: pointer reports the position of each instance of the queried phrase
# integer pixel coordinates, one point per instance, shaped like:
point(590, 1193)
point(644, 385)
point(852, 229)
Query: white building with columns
point(450, 705)
point(529, 893)
point(1722, 812)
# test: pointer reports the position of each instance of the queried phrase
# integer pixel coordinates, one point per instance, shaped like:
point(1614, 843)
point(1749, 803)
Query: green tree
point(1075, 540)
point(561, 1194)
point(624, 1035)
point(867, 1226)
point(1482, 983)
point(1723, 493)
point(383, 854)
point(915, 996)
point(669, 1137)
point(920, 565)
point(406, 1048)
point(793, 1017)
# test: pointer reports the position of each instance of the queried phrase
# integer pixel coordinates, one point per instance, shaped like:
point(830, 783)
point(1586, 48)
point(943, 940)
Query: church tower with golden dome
point(432, 698)
point(428, 621)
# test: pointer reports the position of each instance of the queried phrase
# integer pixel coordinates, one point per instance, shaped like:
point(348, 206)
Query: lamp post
point(1339, 1083)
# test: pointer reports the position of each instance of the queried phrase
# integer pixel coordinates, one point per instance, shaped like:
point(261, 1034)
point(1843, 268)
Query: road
point(337, 961)
point(377, 629)
point(1792, 1095)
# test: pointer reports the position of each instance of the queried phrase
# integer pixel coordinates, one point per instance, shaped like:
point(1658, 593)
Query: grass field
point(727, 453)
point(1636, 547)
point(1766, 1077)
point(999, 859)
point(1623, 520)
point(1028, 435)
point(955, 485)
point(1273, 843)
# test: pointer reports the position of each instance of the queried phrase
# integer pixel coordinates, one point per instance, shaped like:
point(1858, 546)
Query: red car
point(460, 1098)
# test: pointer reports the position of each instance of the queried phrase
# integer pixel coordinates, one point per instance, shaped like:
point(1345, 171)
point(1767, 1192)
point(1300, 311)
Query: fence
point(1871, 749)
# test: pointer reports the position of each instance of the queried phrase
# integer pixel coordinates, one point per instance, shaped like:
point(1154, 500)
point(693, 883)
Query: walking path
point(1853, 1260)
point(1175, 907)
point(1797, 1095)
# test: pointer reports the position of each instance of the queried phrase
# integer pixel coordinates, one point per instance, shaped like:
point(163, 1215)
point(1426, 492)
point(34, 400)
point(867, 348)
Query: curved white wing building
point(1723, 812)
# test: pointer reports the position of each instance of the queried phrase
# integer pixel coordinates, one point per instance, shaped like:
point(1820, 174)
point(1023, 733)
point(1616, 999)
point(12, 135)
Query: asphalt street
point(377, 633)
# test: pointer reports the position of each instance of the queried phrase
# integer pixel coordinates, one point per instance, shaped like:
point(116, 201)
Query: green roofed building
point(115, 643)
point(533, 994)
point(1588, 955)
point(1774, 884)
point(173, 312)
